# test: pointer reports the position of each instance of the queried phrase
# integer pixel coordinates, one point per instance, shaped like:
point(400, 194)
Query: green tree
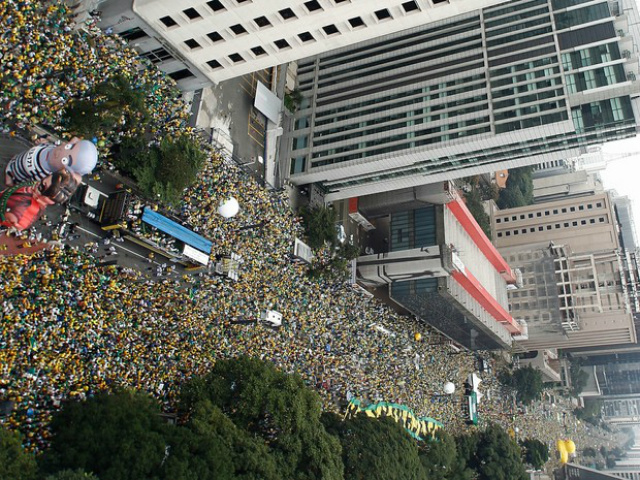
point(474, 204)
point(275, 407)
point(519, 189)
point(216, 448)
point(319, 225)
point(535, 452)
point(72, 475)
point(527, 381)
point(109, 104)
point(161, 171)
point(589, 452)
point(439, 457)
point(379, 449)
point(375, 448)
point(591, 412)
point(497, 457)
point(15, 462)
point(116, 436)
point(579, 377)
point(292, 100)
point(349, 252)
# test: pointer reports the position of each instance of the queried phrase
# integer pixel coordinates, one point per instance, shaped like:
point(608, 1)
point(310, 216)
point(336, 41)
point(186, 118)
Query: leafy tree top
point(15, 462)
point(274, 406)
point(375, 448)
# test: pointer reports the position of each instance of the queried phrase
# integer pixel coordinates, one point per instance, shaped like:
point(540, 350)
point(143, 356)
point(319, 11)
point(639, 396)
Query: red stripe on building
point(490, 304)
point(464, 217)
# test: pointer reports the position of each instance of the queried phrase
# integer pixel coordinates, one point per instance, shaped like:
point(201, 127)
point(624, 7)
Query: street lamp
point(229, 208)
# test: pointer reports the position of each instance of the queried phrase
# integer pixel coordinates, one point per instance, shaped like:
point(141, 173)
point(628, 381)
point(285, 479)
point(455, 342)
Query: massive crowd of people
point(70, 327)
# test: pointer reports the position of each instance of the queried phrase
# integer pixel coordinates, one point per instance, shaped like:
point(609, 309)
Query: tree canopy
point(527, 381)
point(72, 475)
point(497, 456)
point(15, 462)
point(246, 420)
point(578, 377)
point(440, 459)
point(375, 448)
point(115, 436)
point(535, 452)
point(519, 189)
point(473, 201)
point(319, 225)
point(273, 406)
point(162, 171)
point(110, 103)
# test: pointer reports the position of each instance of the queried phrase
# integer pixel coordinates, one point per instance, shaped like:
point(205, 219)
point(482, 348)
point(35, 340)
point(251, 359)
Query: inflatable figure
point(76, 155)
point(21, 205)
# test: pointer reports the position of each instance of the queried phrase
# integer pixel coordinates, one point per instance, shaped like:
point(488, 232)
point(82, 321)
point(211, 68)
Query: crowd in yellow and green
point(71, 328)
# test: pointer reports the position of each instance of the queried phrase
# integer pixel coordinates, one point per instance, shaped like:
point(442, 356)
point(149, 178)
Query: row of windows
point(410, 58)
point(532, 122)
point(288, 14)
point(598, 77)
point(528, 87)
point(530, 110)
point(439, 90)
point(559, 143)
point(217, 6)
point(520, 16)
point(512, 151)
point(513, 7)
point(525, 77)
point(524, 231)
point(573, 18)
point(405, 146)
point(432, 108)
point(590, 56)
point(411, 118)
point(539, 97)
point(602, 114)
point(546, 213)
point(394, 138)
point(390, 44)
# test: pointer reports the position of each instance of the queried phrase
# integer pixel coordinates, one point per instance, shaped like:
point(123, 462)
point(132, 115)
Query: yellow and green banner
point(418, 427)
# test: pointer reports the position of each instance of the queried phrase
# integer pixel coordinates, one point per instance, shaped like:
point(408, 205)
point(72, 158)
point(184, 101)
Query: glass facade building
point(524, 82)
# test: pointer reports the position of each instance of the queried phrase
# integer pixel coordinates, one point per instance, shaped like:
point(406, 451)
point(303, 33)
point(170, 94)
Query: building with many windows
point(222, 39)
point(520, 83)
point(574, 292)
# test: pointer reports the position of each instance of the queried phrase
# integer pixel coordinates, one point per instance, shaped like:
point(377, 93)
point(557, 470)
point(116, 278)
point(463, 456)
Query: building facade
point(520, 83)
point(574, 294)
point(224, 39)
point(439, 265)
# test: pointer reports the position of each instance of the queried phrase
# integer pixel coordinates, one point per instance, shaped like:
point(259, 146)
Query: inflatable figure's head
point(79, 156)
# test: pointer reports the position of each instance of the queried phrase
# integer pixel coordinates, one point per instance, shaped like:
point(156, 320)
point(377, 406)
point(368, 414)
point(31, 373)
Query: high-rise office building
point(574, 293)
point(222, 39)
point(520, 83)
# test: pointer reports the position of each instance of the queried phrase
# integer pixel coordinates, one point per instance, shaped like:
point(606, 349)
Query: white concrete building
point(228, 38)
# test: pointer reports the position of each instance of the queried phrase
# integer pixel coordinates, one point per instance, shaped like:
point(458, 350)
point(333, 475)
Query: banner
point(418, 427)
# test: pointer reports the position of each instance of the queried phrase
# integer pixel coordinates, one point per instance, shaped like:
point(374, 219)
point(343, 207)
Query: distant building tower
point(574, 292)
